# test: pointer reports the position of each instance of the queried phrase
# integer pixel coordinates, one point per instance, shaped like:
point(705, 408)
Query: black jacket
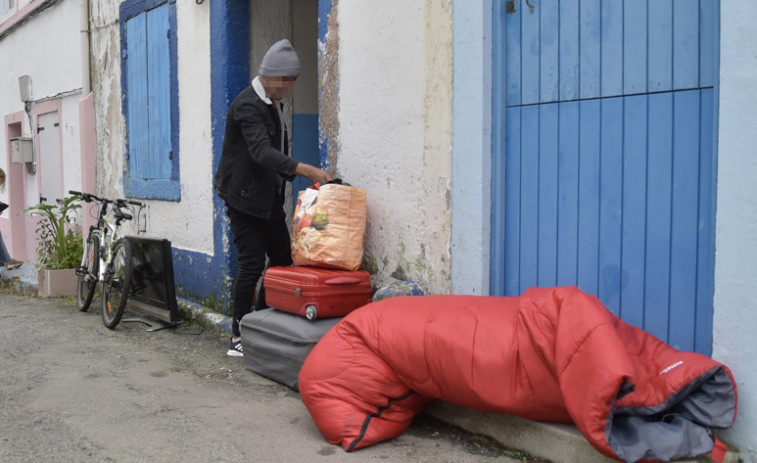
point(251, 168)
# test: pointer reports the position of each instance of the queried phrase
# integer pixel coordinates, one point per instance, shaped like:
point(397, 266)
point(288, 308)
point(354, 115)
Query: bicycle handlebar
point(119, 202)
point(87, 197)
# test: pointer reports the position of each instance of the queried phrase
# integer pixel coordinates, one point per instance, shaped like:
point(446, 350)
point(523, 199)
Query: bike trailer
point(313, 292)
point(276, 343)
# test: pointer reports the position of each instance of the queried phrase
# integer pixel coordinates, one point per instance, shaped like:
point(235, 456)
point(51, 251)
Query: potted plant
point(60, 246)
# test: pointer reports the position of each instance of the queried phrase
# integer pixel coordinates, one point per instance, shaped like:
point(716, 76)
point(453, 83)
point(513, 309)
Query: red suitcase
point(313, 292)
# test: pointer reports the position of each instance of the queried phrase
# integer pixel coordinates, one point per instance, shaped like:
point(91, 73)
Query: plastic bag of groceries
point(328, 228)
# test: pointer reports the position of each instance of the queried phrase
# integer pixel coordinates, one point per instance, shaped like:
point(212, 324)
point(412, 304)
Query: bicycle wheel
point(117, 284)
point(88, 274)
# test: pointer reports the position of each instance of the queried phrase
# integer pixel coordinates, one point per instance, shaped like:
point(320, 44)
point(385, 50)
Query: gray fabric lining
point(677, 428)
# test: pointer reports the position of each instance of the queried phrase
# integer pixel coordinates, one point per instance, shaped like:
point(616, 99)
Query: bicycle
point(107, 259)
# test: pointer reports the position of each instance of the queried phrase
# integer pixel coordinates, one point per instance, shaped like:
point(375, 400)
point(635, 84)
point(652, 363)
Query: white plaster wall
point(395, 132)
point(48, 48)
point(188, 224)
point(735, 321)
point(18, 6)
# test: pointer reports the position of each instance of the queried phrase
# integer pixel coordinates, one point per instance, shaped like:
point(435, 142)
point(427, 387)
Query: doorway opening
point(296, 20)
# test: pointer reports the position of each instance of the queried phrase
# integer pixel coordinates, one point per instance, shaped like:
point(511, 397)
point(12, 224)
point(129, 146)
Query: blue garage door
point(604, 158)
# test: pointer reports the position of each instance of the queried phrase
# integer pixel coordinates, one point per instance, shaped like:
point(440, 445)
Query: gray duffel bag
point(275, 343)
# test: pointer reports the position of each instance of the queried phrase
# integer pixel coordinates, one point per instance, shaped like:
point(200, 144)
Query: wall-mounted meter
point(21, 150)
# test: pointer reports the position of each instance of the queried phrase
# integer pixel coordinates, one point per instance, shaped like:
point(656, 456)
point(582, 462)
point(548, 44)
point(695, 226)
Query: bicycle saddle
point(121, 215)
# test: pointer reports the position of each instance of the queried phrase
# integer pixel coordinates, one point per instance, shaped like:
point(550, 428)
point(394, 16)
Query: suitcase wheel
point(311, 313)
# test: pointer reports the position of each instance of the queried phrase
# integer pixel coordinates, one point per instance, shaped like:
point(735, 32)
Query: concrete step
point(557, 442)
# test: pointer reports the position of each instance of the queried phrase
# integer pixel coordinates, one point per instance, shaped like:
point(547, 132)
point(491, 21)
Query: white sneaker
point(235, 348)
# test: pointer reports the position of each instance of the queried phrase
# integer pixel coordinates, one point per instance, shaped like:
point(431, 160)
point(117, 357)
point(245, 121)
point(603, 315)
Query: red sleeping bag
point(553, 354)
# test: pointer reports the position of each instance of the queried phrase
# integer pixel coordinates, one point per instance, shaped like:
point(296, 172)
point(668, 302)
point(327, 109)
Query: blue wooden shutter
point(149, 95)
point(158, 163)
point(608, 146)
point(137, 104)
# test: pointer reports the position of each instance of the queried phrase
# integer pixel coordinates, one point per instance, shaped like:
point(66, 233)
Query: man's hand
point(313, 173)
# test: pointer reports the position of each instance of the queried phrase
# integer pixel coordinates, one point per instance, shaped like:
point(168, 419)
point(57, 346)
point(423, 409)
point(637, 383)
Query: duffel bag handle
point(342, 281)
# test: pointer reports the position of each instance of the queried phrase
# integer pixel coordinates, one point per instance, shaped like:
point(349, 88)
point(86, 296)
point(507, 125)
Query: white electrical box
point(21, 149)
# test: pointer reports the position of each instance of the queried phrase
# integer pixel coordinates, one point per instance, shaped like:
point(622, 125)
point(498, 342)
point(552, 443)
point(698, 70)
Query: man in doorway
point(251, 177)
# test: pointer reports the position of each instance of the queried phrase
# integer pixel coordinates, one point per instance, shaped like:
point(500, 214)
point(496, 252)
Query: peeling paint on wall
point(395, 137)
point(188, 223)
point(328, 85)
point(104, 43)
point(192, 225)
point(437, 145)
point(106, 84)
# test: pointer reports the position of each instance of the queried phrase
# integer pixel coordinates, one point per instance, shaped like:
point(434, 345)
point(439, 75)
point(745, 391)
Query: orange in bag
point(328, 228)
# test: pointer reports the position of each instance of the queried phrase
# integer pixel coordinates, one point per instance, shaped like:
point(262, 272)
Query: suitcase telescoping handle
point(342, 281)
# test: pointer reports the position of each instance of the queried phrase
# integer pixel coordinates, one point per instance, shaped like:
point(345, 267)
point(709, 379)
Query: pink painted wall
point(14, 226)
point(88, 142)
point(18, 230)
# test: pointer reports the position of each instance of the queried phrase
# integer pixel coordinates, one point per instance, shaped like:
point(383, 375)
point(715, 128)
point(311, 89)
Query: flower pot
point(54, 283)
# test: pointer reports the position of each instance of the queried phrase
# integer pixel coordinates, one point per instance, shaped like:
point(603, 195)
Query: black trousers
point(255, 239)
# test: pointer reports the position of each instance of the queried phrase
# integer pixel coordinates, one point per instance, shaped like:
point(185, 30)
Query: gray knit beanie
point(280, 61)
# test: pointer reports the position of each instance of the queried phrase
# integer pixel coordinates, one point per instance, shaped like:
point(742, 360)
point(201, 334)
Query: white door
point(50, 167)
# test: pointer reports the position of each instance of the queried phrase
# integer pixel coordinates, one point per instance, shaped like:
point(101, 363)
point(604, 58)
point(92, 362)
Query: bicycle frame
point(114, 265)
point(107, 232)
point(108, 235)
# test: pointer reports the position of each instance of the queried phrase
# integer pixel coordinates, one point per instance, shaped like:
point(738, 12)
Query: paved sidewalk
point(74, 391)
point(22, 279)
point(559, 443)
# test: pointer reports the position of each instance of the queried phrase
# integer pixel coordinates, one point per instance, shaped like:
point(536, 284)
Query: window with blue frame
point(150, 99)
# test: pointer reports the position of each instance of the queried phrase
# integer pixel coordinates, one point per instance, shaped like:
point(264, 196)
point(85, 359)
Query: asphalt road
point(73, 391)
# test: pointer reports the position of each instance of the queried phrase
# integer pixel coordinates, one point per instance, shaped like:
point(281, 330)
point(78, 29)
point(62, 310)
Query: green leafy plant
point(60, 247)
